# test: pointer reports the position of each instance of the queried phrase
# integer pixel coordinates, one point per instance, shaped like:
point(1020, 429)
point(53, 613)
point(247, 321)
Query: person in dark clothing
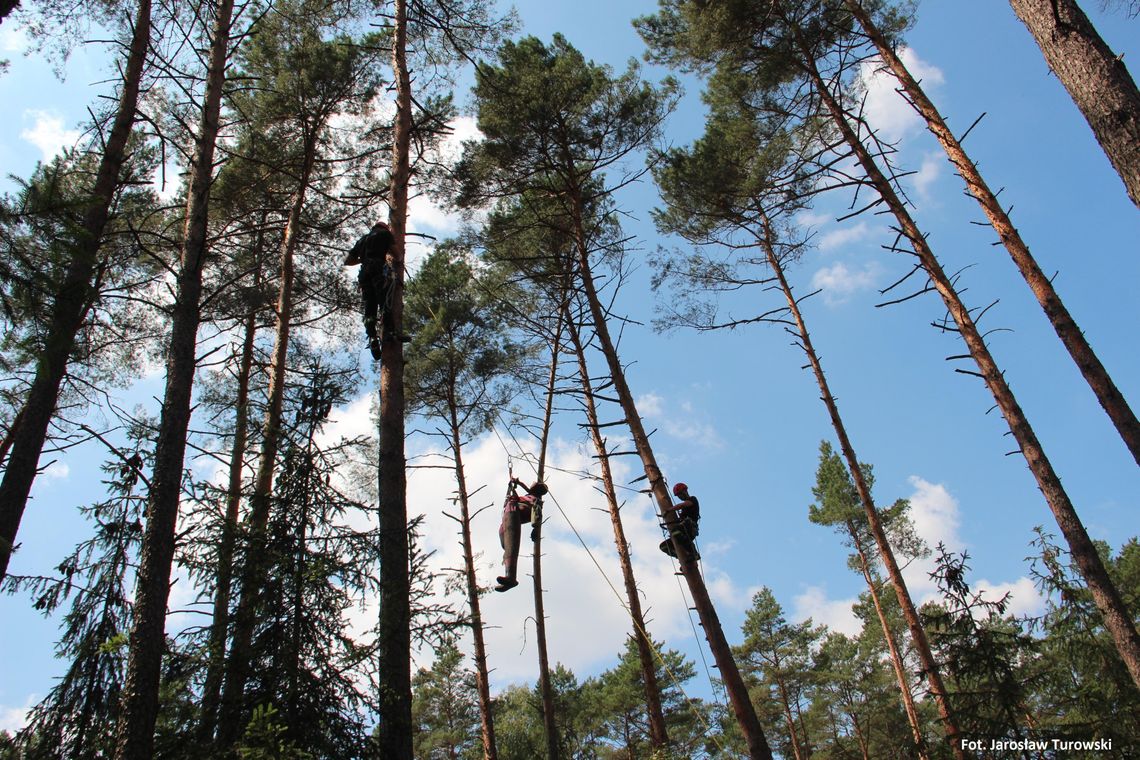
point(516, 511)
point(686, 525)
point(377, 279)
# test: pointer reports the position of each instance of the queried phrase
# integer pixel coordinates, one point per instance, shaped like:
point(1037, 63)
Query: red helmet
point(679, 489)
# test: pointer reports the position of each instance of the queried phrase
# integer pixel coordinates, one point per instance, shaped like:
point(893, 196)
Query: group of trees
point(279, 113)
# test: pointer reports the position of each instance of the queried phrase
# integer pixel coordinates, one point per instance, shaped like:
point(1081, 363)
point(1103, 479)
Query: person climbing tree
point(685, 525)
point(373, 252)
point(516, 511)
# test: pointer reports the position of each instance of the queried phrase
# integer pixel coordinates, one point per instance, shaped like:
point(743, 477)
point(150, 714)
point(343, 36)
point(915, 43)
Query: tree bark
point(1109, 396)
point(738, 693)
point(658, 735)
point(482, 680)
point(550, 724)
point(1096, 78)
point(395, 697)
point(1105, 594)
point(232, 719)
point(929, 664)
point(219, 626)
point(71, 303)
point(135, 732)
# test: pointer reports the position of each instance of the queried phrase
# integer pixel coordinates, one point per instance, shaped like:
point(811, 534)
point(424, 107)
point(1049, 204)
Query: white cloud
point(57, 471)
point(836, 614)
point(936, 517)
point(682, 421)
point(927, 174)
point(1024, 598)
point(13, 39)
point(424, 214)
point(571, 580)
point(842, 236)
point(839, 283)
point(12, 719)
point(47, 133)
point(886, 110)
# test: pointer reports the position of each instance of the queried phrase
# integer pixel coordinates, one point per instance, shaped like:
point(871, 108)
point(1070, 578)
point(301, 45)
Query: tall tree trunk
point(785, 700)
point(1096, 78)
point(658, 736)
point(1108, 600)
point(395, 697)
point(71, 303)
point(546, 689)
point(482, 681)
point(910, 613)
point(1109, 396)
point(233, 714)
point(892, 647)
point(135, 732)
point(730, 674)
point(6, 443)
point(219, 626)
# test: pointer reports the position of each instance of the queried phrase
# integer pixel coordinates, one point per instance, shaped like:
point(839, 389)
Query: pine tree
point(445, 707)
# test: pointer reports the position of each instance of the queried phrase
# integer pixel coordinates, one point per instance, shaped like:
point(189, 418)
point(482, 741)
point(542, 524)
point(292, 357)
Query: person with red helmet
point(685, 526)
point(516, 511)
point(377, 280)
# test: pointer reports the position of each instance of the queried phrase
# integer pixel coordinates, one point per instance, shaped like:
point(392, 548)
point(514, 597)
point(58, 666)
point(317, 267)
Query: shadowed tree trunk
point(658, 736)
point(1108, 600)
point(232, 716)
point(549, 723)
point(219, 627)
point(742, 706)
point(70, 303)
point(1109, 396)
point(1096, 78)
point(886, 554)
point(482, 681)
point(394, 650)
point(135, 732)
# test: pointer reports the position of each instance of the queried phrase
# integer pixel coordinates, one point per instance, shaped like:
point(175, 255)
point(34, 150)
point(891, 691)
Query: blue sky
point(737, 417)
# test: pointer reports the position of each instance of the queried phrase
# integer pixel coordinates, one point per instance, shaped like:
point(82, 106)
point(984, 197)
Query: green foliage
point(445, 708)
point(265, 738)
point(77, 718)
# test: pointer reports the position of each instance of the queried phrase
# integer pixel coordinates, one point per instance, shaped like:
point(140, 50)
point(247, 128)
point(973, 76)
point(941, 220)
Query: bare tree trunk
point(549, 723)
point(135, 732)
point(72, 301)
point(219, 627)
point(737, 692)
point(1105, 594)
point(6, 444)
point(658, 736)
point(394, 655)
point(797, 753)
point(1096, 78)
point(929, 664)
point(233, 714)
point(482, 681)
point(1109, 396)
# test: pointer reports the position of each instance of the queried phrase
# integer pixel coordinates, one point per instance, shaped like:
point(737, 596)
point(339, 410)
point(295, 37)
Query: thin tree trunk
point(231, 721)
point(1105, 594)
point(71, 304)
point(738, 693)
point(482, 681)
point(786, 702)
point(873, 521)
point(549, 723)
point(892, 647)
point(6, 444)
point(394, 650)
point(1096, 78)
point(658, 735)
point(135, 732)
point(1109, 396)
point(219, 627)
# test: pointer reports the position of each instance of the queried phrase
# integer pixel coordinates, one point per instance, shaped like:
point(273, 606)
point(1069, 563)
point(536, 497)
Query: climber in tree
point(516, 511)
point(377, 279)
point(685, 523)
